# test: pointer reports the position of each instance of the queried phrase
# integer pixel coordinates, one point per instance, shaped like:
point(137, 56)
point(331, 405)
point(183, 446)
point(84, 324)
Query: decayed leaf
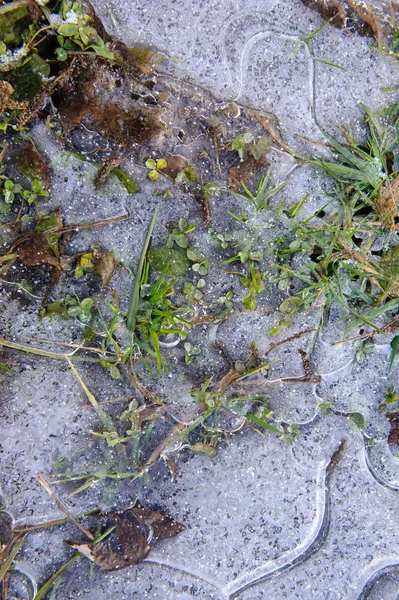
point(104, 265)
point(96, 90)
point(162, 525)
point(5, 528)
point(174, 165)
point(128, 545)
point(31, 163)
point(244, 171)
point(41, 247)
point(393, 437)
point(36, 251)
point(6, 102)
point(133, 549)
point(141, 58)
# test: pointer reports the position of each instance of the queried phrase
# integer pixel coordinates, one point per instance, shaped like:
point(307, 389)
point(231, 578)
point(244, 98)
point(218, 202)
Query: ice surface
point(263, 519)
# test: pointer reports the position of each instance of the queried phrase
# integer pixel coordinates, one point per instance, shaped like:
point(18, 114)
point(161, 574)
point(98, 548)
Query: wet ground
point(310, 514)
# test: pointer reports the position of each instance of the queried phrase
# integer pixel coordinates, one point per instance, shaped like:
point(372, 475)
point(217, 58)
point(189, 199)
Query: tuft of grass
point(135, 297)
point(336, 259)
point(262, 194)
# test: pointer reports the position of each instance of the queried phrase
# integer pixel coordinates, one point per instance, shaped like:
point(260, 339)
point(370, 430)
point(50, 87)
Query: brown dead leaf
point(393, 437)
point(35, 251)
point(128, 544)
point(140, 58)
point(172, 466)
point(175, 164)
point(162, 525)
point(133, 543)
point(112, 554)
point(32, 164)
point(6, 102)
point(244, 171)
point(104, 264)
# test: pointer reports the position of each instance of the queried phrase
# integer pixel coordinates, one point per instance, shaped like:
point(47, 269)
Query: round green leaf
point(150, 163)
point(153, 175)
point(68, 29)
point(61, 54)
point(161, 164)
point(194, 254)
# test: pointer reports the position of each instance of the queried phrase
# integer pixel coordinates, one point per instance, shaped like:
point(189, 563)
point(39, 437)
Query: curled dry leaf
point(6, 102)
point(128, 547)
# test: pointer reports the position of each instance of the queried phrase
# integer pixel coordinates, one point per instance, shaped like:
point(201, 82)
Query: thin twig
point(63, 508)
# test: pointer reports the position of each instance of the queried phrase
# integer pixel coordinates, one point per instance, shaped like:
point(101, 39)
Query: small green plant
point(155, 167)
point(211, 189)
point(178, 235)
point(81, 309)
point(11, 190)
point(253, 281)
point(191, 352)
point(222, 239)
point(192, 291)
point(245, 144)
point(262, 195)
point(391, 396)
point(363, 349)
point(187, 177)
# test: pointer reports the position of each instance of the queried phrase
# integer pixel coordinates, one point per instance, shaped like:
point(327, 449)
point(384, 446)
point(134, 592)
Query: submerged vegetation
point(344, 254)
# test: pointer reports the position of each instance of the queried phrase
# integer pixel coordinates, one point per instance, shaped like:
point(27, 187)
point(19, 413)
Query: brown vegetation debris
point(371, 18)
point(133, 115)
point(136, 531)
point(393, 437)
point(6, 101)
point(244, 171)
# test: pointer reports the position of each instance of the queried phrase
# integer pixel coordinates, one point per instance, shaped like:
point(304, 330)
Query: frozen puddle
point(313, 519)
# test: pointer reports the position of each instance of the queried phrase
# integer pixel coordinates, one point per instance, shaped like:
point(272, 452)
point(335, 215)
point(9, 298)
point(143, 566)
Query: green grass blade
point(102, 415)
point(135, 298)
point(47, 585)
point(296, 210)
point(199, 421)
point(343, 172)
point(269, 194)
point(262, 423)
point(330, 64)
point(10, 558)
point(372, 314)
point(394, 351)
point(155, 343)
